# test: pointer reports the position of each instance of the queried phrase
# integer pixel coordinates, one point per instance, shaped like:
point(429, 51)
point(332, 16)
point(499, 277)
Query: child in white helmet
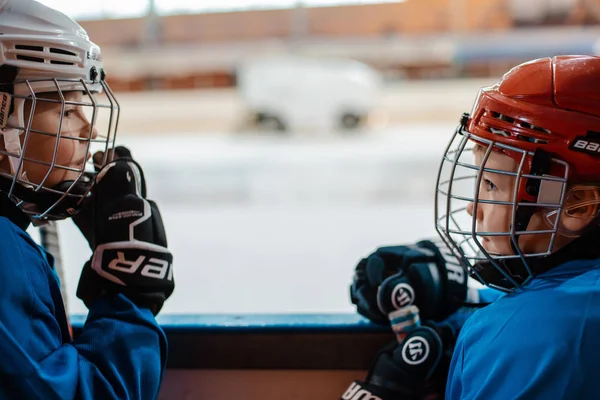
point(56, 113)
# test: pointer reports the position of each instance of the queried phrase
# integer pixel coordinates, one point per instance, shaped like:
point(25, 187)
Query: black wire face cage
point(86, 120)
point(458, 188)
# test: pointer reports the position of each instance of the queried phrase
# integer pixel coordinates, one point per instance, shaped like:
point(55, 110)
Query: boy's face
point(498, 217)
point(40, 147)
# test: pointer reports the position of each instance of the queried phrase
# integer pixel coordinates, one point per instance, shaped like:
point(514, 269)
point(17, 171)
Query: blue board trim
point(265, 322)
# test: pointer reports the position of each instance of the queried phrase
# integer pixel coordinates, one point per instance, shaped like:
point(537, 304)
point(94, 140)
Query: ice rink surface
point(276, 224)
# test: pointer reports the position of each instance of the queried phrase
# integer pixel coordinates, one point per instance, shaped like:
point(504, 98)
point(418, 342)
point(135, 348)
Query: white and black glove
point(415, 369)
point(126, 234)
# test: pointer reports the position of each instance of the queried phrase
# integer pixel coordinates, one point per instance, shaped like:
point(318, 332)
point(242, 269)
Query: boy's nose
point(94, 132)
point(471, 207)
point(89, 131)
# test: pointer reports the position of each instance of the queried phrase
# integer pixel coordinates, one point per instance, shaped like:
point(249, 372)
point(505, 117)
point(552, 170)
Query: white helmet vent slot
point(42, 54)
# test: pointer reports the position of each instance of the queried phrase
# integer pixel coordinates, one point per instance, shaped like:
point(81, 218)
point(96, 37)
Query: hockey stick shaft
point(49, 239)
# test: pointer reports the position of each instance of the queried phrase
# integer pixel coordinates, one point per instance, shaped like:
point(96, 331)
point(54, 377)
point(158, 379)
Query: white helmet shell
point(44, 43)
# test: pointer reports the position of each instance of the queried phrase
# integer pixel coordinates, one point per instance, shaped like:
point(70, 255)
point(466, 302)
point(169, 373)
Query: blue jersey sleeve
point(120, 354)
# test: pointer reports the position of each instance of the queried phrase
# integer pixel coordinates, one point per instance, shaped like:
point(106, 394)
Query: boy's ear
point(581, 207)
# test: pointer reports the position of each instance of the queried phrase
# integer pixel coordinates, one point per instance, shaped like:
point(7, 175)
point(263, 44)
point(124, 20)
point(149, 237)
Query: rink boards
point(269, 356)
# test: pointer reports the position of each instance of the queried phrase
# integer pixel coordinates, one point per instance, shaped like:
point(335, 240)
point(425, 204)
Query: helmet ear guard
point(8, 75)
point(11, 117)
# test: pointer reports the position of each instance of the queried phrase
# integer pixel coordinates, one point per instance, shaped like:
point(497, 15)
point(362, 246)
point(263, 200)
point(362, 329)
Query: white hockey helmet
point(42, 50)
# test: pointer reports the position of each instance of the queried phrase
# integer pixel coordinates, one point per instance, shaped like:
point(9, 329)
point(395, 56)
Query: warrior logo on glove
point(415, 350)
point(403, 295)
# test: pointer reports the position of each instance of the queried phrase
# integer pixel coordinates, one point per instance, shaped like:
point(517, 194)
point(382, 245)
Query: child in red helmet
point(518, 205)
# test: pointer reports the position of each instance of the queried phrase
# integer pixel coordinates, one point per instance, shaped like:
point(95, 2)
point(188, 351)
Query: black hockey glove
point(415, 369)
point(395, 277)
point(128, 239)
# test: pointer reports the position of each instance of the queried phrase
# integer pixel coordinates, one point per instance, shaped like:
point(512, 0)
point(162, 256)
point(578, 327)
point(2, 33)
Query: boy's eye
point(69, 113)
point(489, 185)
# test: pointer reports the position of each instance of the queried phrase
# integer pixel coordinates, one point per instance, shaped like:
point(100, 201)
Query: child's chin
point(491, 249)
point(486, 244)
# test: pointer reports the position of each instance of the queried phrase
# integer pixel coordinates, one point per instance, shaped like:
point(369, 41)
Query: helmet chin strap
point(540, 165)
point(36, 201)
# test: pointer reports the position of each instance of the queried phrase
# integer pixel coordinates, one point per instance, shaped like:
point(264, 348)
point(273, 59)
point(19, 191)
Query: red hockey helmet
point(544, 114)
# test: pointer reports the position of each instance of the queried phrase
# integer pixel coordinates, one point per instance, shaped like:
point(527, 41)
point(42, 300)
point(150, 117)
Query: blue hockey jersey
point(541, 342)
point(120, 354)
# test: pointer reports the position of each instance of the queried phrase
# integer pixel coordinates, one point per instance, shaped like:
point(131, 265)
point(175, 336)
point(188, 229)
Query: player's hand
point(395, 277)
point(128, 239)
point(417, 368)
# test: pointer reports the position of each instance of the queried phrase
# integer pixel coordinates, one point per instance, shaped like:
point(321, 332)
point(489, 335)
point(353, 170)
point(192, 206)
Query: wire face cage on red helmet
point(538, 129)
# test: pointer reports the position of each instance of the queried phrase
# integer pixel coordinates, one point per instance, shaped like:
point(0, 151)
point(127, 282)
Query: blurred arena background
point(268, 216)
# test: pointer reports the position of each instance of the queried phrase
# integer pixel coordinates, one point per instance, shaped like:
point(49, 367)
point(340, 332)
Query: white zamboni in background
point(290, 93)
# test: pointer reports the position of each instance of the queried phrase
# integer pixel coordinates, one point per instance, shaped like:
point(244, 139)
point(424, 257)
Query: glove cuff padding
point(119, 261)
point(361, 391)
point(142, 271)
point(412, 369)
point(144, 291)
